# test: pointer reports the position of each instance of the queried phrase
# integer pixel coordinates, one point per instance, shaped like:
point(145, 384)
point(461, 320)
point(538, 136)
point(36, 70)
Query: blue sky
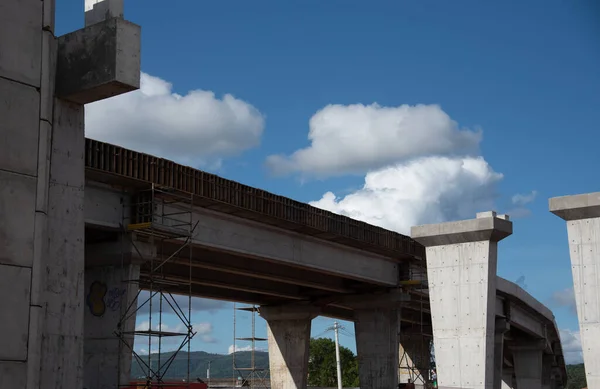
point(519, 78)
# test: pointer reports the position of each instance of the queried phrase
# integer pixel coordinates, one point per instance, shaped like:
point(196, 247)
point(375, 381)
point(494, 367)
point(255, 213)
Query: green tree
point(576, 377)
point(322, 370)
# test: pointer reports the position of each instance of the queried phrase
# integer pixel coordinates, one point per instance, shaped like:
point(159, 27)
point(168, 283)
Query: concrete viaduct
point(75, 211)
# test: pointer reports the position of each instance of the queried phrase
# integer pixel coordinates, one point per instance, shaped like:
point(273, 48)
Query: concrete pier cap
point(486, 226)
point(576, 207)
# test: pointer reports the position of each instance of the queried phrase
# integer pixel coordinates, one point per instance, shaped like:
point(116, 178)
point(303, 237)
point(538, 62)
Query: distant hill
point(220, 367)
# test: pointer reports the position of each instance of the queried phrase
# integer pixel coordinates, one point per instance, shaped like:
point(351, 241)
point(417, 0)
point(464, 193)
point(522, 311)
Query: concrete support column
point(415, 358)
point(508, 378)
point(288, 329)
point(110, 307)
point(547, 373)
point(502, 326)
point(461, 270)
point(376, 331)
point(582, 214)
point(528, 364)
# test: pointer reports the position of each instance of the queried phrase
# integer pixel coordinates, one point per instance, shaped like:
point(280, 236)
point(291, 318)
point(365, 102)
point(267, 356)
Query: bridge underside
point(221, 275)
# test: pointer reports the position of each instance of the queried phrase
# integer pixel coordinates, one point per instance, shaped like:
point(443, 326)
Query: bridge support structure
point(461, 270)
point(582, 214)
point(42, 183)
point(528, 358)
point(288, 330)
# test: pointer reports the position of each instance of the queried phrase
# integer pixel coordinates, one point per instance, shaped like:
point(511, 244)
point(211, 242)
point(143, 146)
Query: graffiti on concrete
point(95, 298)
point(113, 299)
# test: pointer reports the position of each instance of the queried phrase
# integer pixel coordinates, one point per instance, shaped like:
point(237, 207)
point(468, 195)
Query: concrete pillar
point(376, 330)
point(41, 194)
point(415, 358)
point(461, 270)
point(582, 213)
point(527, 358)
point(288, 329)
point(502, 326)
point(508, 378)
point(110, 306)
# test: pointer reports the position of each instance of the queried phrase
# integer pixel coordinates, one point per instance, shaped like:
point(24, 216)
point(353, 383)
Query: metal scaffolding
point(251, 376)
point(161, 218)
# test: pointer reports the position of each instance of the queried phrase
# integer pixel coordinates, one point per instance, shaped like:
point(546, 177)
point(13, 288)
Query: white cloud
point(194, 129)
point(565, 298)
point(243, 348)
point(571, 345)
point(202, 328)
point(425, 190)
point(209, 339)
point(522, 199)
point(357, 138)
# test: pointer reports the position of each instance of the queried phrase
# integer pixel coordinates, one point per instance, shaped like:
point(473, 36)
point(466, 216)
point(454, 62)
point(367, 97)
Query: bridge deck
point(113, 164)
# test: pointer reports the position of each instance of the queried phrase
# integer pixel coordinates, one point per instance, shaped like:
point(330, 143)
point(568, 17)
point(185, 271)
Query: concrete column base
point(288, 330)
point(377, 347)
point(107, 360)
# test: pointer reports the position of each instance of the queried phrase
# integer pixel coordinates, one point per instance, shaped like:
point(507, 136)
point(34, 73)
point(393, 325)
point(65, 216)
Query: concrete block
point(19, 110)
point(21, 40)
point(486, 226)
point(48, 77)
point(582, 206)
point(17, 203)
point(13, 375)
point(14, 289)
point(99, 61)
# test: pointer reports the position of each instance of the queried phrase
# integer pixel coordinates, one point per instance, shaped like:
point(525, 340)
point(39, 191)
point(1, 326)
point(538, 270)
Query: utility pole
point(337, 355)
point(208, 374)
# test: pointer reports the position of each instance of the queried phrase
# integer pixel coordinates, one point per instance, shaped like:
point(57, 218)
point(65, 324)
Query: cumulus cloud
point(571, 344)
point(522, 199)
point(195, 129)
point(424, 190)
point(241, 349)
point(357, 138)
point(565, 298)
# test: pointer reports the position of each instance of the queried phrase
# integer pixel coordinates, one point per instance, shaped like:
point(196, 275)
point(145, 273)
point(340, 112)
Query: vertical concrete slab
point(461, 270)
point(14, 289)
point(109, 293)
point(62, 343)
point(582, 214)
point(288, 330)
point(19, 110)
point(414, 357)
point(528, 366)
point(13, 375)
point(376, 332)
point(21, 39)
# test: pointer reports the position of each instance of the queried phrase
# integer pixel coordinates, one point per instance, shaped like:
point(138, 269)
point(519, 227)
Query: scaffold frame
point(155, 216)
point(251, 376)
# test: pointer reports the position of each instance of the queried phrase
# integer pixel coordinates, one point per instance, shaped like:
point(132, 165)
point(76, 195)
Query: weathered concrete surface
point(21, 39)
point(15, 290)
point(582, 213)
point(376, 331)
point(288, 330)
point(62, 343)
point(461, 269)
point(108, 296)
point(99, 61)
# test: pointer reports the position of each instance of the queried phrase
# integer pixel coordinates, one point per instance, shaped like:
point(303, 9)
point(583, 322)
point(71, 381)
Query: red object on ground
point(168, 385)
